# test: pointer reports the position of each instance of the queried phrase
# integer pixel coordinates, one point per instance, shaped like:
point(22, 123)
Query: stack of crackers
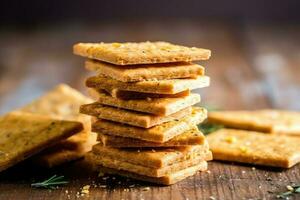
point(144, 114)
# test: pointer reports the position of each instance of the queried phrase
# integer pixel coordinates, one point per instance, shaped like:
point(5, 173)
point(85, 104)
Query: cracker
point(190, 137)
point(164, 180)
point(255, 148)
point(23, 135)
point(62, 102)
point(65, 151)
point(128, 95)
point(156, 106)
point(151, 158)
point(148, 171)
point(130, 117)
point(140, 53)
point(172, 86)
point(271, 121)
point(134, 73)
point(159, 134)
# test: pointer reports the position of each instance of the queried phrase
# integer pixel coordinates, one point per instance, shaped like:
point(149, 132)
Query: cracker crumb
point(290, 188)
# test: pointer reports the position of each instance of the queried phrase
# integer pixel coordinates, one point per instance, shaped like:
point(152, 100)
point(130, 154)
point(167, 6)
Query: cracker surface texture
point(172, 86)
point(254, 148)
point(156, 106)
point(133, 118)
point(134, 73)
point(23, 135)
point(159, 134)
point(131, 53)
point(190, 137)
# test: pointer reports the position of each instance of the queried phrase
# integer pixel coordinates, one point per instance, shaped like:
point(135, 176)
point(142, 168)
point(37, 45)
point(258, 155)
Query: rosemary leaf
point(51, 183)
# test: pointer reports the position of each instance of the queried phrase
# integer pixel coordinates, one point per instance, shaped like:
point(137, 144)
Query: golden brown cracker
point(23, 135)
point(130, 117)
point(148, 171)
point(271, 121)
point(156, 106)
point(164, 180)
point(140, 53)
point(156, 158)
point(172, 86)
point(150, 72)
point(159, 134)
point(190, 137)
point(254, 148)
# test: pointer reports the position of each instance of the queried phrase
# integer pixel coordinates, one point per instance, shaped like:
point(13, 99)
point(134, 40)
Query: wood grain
point(252, 67)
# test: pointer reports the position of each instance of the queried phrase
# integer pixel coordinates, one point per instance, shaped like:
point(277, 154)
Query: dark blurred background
point(31, 13)
point(255, 45)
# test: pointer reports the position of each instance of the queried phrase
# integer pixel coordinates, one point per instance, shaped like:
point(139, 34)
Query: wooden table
point(253, 66)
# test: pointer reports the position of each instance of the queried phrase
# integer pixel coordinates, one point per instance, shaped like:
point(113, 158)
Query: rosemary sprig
point(51, 183)
point(291, 190)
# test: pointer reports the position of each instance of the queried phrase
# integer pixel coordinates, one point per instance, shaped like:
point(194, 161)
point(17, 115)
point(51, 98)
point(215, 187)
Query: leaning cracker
point(271, 121)
point(171, 86)
point(151, 158)
point(127, 95)
point(156, 106)
point(140, 53)
point(255, 148)
point(133, 118)
point(190, 137)
point(165, 180)
point(149, 171)
point(23, 135)
point(62, 102)
point(134, 73)
point(159, 134)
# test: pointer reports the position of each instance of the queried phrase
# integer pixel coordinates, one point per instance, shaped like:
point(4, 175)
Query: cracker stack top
point(144, 99)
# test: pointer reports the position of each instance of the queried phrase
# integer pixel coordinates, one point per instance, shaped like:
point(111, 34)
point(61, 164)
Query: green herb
point(51, 183)
point(207, 128)
point(211, 108)
point(291, 190)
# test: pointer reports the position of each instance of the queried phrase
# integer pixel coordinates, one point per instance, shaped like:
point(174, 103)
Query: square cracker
point(158, 158)
point(149, 171)
point(271, 121)
point(156, 106)
point(164, 180)
point(23, 135)
point(127, 95)
point(65, 151)
point(159, 134)
point(134, 73)
point(190, 137)
point(171, 86)
point(140, 53)
point(62, 102)
point(254, 148)
point(133, 118)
